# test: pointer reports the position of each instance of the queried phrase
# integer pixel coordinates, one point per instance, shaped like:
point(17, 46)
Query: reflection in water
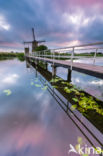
point(10, 78)
point(89, 106)
point(31, 122)
point(90, 84)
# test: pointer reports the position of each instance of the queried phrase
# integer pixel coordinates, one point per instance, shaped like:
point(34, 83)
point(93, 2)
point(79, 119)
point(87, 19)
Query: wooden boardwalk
point(89, 69)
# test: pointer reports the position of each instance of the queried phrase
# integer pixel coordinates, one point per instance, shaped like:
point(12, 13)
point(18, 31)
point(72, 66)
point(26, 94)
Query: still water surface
point(90, 84)
point(31, 121)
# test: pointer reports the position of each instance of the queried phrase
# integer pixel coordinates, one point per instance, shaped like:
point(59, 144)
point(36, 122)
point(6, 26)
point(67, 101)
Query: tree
point(41, 47)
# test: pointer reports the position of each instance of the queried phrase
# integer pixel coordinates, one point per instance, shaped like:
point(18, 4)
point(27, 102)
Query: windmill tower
point(34, 42)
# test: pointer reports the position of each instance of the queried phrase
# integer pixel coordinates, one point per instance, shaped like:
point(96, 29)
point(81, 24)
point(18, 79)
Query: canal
point(34, 122)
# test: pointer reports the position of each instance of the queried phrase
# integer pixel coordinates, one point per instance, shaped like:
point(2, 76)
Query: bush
point(41, 47)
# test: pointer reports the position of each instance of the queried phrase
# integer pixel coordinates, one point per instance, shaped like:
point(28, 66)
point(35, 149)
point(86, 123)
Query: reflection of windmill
point(34, 42)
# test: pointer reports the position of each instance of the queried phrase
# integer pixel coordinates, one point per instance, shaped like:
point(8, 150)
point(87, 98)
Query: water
point(31, 121)
point(90, 84)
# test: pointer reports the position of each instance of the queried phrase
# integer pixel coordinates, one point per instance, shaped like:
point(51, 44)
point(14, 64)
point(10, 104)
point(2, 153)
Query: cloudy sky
point(59, 22)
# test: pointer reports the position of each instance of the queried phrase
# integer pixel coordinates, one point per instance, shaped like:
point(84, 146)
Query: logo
point(72, 149)
point(84, 150)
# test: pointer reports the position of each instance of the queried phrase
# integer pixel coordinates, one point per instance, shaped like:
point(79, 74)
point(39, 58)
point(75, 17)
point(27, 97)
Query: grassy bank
point(5, 55)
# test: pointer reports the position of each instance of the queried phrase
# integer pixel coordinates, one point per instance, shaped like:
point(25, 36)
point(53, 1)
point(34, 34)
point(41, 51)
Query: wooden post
point(72, 56)
point(95, 57)
point(27, 64)
point(26, 51)
point(36, 62)
point(54, 70)
point(46, 64)
point(69, 75)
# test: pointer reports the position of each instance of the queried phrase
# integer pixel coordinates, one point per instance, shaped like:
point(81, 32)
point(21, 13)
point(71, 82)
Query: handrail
point(82, 45)
point(77, 46)
point(70, 52)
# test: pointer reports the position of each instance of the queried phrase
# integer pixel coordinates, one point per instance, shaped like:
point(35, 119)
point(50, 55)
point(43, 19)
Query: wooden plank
point(89, 69)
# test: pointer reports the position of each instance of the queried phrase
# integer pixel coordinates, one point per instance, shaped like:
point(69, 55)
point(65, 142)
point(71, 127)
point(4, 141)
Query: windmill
point(34, 42)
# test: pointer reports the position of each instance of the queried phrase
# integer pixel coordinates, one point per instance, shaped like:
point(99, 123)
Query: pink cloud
point(11, 44)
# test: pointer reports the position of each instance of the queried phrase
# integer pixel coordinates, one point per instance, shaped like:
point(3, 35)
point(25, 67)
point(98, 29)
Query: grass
point(20, 56)
point(89, 54)
point(6, 55)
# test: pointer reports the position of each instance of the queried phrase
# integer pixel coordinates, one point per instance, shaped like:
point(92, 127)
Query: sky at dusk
point(59, 22)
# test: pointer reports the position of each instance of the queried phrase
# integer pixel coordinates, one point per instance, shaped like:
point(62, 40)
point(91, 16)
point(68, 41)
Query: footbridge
point(73, 58)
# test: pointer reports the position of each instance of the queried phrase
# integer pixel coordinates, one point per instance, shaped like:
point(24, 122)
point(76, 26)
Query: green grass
point(89, 54)
point(6, 55)
point(20, 56)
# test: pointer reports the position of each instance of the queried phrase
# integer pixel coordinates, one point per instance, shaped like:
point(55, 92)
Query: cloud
point(99, 82)
point(58, 21)
point(3, 23)
point(11, 79)
point(93, 30)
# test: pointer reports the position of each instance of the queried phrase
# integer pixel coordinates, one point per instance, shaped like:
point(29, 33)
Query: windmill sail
point(33, 34)
point(34, 42)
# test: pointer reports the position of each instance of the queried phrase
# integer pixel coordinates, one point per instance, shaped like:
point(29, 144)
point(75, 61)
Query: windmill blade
point(27, 42)
point(33, 34)
point(41, 41)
